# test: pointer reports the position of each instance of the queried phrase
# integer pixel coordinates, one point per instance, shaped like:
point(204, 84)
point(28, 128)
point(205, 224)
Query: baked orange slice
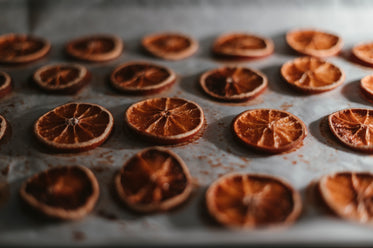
point(5, 84)
point(95, 48)
point(142, 78)
point(269, 130)
point(366, 86)
point(155, 179)
point(354, 128)
point(4, 127)
point(170, 46)
point(62, 78)
point(65, 192)
point(74, 127)
point(349, 195)
point(312, 75)
point(235, 84)
point(314, 42)
point(364, 53)
point(242, 45)
point(19, 48)
point(252, 201)
point(165, 120)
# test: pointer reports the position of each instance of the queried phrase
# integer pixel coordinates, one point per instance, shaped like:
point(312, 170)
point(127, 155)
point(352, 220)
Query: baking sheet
point(215, 153)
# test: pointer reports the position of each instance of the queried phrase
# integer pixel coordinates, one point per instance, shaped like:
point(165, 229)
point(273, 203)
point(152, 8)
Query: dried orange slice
point(18, 48)
point(155, 179)
point(312, 75)
point(74, 127)
point(4, 127)
point(349, 195)
point(354, 128)
point(269, 130)
point(65, 192)
point(62, 78)
point(5, 84)
point(170, 46)
point(252, 200)
point(364, 52)
point(165, 120)
point(236, 84)
point(366, 86)
point(243, 45)
point(95, 48)
point(314, 42)
point(142, 78)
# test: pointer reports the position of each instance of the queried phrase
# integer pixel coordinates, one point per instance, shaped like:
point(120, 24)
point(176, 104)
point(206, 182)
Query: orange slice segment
point(349, 195)
point(233, 83)
point(142, 78)
point(61, 78)
point(5, 84)
point(4, 126)
point(314, 43)
point(312, 75)
point(364, 52)
point(66, 192)
point(243, 45)
point(170, 46)
point(165, 120)
point(269, 130)
point(95, 48)
point(252, 200)
point(354, 128)
point(366, 86)
point(18, 48)
point(74, 127)
point(155, 179)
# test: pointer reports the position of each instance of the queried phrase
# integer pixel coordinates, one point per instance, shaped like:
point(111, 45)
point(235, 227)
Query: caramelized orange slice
point(155, 179)
point(62, 78)
point(66, 192)
point(95, 48)
point(233, 83)
point(252, 200)
point(366, 86)
point(349, 195)
point(165, 120)
point(243, 45)
point(4, 127)
point(354, 128)
point(142, 78)
point(314, 43)
point(312, 75)
point(18, 48)
point(269, 130)
point(74, 127)
point(364, 52)
point(5, 84)
point(170, 46)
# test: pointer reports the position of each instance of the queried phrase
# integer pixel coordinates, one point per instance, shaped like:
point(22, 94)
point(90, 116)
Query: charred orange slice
point(364, 52)
point(19, 48)
point(74, 127)
point(155, 179)
point(349, 195)
point(5, 84)
point(252, 201)
point(314, 43)
point(165, 120)
point(243, 45)
point(366, 86)
point(142, 78)
point(4, 127)
point(354, 128)
point(62, 78)
point(95, 48)
point(312, 75)
point(236, 84)
point(170, 46)
point(66, 192)
point(269, 130)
